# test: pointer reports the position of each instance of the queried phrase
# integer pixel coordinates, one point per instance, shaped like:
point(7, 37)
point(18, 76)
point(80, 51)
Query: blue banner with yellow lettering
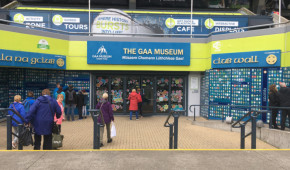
point(31, 60)
point(247, 59)
point(138, 53)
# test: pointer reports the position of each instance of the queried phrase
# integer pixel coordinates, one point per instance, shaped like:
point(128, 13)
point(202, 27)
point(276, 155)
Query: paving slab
point(146, 133)
point(127, 160)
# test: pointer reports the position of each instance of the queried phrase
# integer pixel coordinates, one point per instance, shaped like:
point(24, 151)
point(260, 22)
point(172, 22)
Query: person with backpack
point(86, 99)
point(134, 99)
point(41, 115)
point(27, 103)
point(70, 101)
point(274, 102)
point(59, 102)
point(19, 108)
point(80, 103)
point(55, 90)
point(140, 102)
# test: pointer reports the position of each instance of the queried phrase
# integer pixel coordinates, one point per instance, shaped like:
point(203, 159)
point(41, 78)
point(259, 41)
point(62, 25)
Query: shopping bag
point(113, 131)
point(25, 137)
point(57, 140)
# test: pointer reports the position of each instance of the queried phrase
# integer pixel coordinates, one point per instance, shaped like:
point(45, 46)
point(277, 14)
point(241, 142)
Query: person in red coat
point(134, 99)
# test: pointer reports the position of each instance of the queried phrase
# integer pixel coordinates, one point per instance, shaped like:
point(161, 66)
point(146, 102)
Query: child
point(59, 121)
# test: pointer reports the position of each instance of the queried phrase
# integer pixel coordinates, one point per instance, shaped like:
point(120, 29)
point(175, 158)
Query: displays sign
point(138, 53)
point(31, 60)
point(247, 59)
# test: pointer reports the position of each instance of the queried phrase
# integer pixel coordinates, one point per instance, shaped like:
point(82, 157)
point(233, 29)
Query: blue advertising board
point(31, 60)
point(247, 59)
point(114, 21)
point(138, 53)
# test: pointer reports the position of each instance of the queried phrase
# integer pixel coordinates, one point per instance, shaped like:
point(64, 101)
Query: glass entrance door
point(147, 91)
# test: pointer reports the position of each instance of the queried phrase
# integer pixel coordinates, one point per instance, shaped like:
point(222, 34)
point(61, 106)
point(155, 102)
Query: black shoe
point(110, 140)
point(276, 127)
point(101, 145)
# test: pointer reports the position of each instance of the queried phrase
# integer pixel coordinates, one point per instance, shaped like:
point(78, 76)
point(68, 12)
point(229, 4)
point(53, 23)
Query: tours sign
point(71, 22)
point(31, 60)
point(138, 53)
point(247, 59)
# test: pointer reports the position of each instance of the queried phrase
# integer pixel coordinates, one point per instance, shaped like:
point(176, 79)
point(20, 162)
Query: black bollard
point(176, 116)
point(194, 113)
point(223, 116)
point(242, 136)
point(98, 134)
point(96, 143)
point(20, 129)
point(253, 145)
point(170, 136)
point(9, 132)
point(270, 121)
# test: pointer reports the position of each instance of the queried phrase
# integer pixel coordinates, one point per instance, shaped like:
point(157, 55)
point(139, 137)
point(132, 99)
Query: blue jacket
point(20, 108)
point(31, 100)
point(54, 91)
point(42, 116)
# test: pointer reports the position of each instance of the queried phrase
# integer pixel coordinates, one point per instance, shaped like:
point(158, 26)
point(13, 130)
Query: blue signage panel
point(115, 21)
point(138, 53)
point(247, 59)
point(31, 60)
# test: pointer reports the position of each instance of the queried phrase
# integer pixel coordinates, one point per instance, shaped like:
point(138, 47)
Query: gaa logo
point(60, 62)
point(271, 59)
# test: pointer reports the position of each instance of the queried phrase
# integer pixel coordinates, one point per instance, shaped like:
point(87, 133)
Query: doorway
point(161, 92)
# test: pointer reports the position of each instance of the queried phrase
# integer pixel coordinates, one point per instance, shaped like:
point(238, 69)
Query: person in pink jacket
point(59, 121)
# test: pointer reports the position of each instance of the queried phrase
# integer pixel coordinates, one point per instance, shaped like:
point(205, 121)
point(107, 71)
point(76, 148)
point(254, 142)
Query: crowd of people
point(41, 113)
point(281, 99)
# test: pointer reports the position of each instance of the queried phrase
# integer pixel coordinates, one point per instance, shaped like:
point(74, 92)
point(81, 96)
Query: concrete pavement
point(150, 160)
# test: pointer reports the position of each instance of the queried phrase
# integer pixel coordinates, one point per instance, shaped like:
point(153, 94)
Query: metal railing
point(9, 119)
point(173, 128)
point(252, 115)
point(151, 35)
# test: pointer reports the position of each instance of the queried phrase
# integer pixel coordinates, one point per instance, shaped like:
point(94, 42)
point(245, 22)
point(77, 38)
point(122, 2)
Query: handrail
point(238, 121)
point(172, 35)
point(237, 106)
point(9, 109)
point(166, 123)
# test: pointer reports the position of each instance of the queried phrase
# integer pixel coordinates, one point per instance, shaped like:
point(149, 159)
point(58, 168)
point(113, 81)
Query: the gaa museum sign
point(138, 53)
